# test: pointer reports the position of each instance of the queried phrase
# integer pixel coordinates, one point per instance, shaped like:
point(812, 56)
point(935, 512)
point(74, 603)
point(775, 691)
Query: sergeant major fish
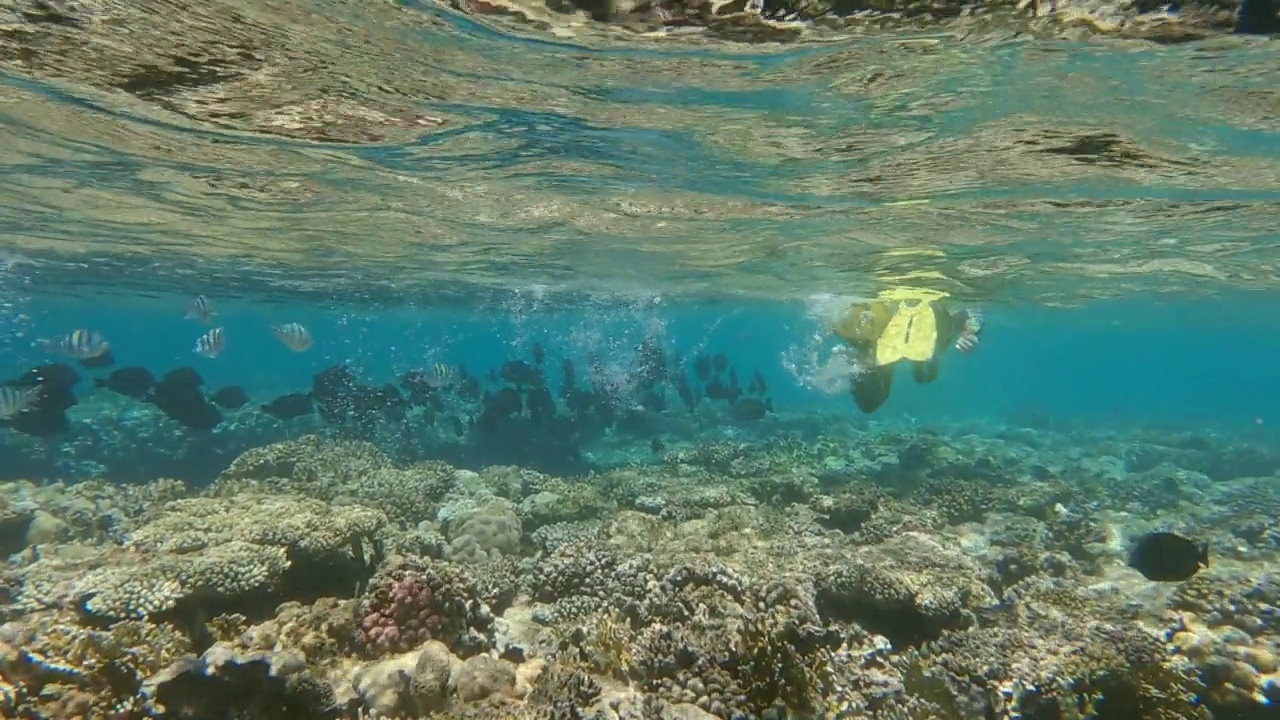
point(15, 400)
point(79, 344)
point(211, 344)
point(441, 376)
point(200, 309)
point(293, 335)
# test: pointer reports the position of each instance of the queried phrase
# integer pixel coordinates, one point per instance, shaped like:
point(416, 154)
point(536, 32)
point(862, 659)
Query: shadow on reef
point(523, 412)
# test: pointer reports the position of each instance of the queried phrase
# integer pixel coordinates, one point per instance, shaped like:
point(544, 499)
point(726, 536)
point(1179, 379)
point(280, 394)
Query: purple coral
point(401, 612)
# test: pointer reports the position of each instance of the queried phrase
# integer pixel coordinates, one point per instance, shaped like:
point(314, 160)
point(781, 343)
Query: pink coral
point(401, 612)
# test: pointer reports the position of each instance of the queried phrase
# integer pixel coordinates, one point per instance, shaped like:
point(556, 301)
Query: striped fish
point(294, 336)
point(211, 344)
point(441, 376)
point(200, 309)
point(15, 400)
point(78, 344)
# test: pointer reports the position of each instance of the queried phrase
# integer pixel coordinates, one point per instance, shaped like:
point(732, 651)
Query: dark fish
point(46, 415)
point(757, 386)
point(469, 388)
point(749, 409)
point(720, 363)
point(519, 372)
point(185, 375)
point(57, 374)
point(98, 361)
point(542, 406)
point(685, 391)
point(652, 362)
point(1166, 557)
point(337, 393)
point(231, 397)
point(656, 445)
point(458, 428)
point(288, 407)
point(702, 367)
point(504, 403)
point(568, 377)
point(178, 396)
point(539, 355)
point(578, 401)
point(134, 382)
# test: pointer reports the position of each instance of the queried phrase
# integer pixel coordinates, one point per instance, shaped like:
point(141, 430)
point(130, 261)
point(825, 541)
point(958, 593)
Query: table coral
point(208, 551)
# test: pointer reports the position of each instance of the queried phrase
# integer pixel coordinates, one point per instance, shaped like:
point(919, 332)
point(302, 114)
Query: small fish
point(288, 407)
point(294, 336)
point(441, 376)
point(657, 446)
point(15, 400)
point(134, 382)
point(211, 344)
point(1166, 557)
point(78, 344)
point(200, 309)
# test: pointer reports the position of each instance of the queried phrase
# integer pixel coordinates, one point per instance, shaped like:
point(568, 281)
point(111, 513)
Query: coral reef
point(410, 602)
point(902, 577)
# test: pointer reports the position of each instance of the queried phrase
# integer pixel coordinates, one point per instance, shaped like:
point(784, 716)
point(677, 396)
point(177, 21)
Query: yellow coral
point(610, 646)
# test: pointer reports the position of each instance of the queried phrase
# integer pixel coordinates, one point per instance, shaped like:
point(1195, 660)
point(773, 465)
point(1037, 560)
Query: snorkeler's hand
point(971, 334)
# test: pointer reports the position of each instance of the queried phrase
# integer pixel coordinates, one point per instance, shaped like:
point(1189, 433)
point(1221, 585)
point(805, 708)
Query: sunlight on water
point(603, 162)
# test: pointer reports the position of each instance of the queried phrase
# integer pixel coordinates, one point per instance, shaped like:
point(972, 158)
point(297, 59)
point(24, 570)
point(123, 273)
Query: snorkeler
point(884, 332)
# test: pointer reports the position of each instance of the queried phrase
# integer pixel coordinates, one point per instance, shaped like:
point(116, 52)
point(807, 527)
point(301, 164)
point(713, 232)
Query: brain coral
point(492, 528)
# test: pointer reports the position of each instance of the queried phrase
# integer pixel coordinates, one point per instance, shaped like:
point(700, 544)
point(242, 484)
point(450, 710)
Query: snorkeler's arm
point(970, 323)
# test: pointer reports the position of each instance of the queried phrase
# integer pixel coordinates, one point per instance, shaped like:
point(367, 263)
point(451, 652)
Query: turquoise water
point(1112, 367)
